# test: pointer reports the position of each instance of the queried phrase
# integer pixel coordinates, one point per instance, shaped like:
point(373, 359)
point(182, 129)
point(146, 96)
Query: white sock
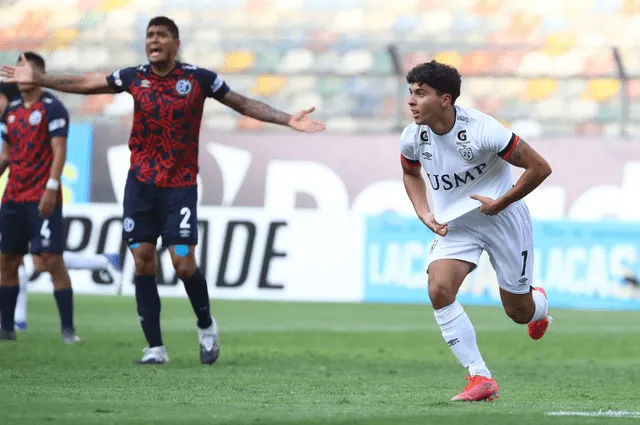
point(75, 261)
point(459, 334)
point(541, 304)
point(27, 261)
point(20, 314)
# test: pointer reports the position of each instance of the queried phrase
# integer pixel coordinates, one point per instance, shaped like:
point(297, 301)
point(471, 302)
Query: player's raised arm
point(79, 84)
point(261, 111)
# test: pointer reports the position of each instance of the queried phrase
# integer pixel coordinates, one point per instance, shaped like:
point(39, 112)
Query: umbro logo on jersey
point(427, 155)
point(145, 84)
point(463, 119)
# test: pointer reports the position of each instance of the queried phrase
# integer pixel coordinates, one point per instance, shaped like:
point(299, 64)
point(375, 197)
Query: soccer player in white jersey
point(476, 206)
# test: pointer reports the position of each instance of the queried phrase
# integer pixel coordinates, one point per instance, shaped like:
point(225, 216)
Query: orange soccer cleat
point(479, 388)
point(538, 329)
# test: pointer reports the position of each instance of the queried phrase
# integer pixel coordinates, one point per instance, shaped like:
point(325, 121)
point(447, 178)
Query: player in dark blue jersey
point(110, 262)
point(34, 131)
point(9, 92)
point(161, 194)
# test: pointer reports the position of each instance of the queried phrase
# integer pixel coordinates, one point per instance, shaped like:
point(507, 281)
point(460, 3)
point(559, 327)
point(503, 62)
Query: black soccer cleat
point(69, 336)
point(7, 335)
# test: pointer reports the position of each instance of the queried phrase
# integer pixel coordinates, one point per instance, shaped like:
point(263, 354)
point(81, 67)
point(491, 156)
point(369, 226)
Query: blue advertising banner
point(76, 175)
point(580, 265)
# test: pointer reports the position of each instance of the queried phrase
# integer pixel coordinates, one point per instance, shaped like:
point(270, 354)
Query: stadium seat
point(602, 90)
point(449, 57)
point(540, 88)
point(238, 61)
point(268, 85)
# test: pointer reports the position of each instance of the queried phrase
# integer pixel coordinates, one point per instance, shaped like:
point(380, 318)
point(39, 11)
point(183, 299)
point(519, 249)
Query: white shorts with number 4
point(506, 237)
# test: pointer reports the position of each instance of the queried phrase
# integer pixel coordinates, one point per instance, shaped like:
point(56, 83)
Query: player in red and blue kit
point(33, 263)
point(34, 131)
point(161, 191)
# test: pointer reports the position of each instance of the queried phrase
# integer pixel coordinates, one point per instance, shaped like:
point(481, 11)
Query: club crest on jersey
point(35, 118)
point(462, 135)
point(128, 224)
point(466, 153)
point(183, 87)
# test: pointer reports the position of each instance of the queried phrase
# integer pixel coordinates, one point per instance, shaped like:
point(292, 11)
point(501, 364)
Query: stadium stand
point(543, 67)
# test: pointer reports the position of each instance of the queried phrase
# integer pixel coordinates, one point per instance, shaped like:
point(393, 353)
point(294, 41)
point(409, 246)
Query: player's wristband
point(53, 184)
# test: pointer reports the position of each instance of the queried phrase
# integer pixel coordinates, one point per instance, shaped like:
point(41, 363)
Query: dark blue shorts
point(151, 212)
point(21, 225)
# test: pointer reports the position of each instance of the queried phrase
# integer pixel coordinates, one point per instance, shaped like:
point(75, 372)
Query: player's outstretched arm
point(417, 191)
point(261, 111)
point(24, 73)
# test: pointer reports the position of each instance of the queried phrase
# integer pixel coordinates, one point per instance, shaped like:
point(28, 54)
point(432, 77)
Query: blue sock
point(196, 287)
point(148, 301)
point(8, 298)
point(64, 300)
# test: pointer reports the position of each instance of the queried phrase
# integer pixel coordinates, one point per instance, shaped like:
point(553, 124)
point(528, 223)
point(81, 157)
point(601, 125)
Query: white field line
point(608, 414)
point(320, 327)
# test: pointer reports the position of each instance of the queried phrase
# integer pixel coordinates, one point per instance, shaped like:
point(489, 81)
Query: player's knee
point(9, 265)
point(440, 293)
point(38, 264)
point(49, 262)
point(144, 260)
point(520, 314)
point(185, 266)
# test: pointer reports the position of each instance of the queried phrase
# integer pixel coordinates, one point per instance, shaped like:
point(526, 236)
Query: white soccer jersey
point(467, 160)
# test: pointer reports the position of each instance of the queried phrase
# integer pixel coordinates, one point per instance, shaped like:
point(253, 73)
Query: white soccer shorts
point(506, 237)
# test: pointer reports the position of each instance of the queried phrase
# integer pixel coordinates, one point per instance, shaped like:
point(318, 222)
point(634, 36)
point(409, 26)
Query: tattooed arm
point(25, 73)
point(75, 83)
point(263, 112)
point(255, 108)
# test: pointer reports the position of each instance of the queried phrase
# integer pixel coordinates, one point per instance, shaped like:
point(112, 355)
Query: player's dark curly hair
point(163, 21)
point(443, 78)
point(35, 59)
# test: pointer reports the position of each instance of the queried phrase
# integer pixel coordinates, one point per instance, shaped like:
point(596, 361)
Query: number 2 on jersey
point(186, 213)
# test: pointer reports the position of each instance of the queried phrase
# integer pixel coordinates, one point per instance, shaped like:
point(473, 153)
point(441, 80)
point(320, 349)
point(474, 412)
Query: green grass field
point(286, 363)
